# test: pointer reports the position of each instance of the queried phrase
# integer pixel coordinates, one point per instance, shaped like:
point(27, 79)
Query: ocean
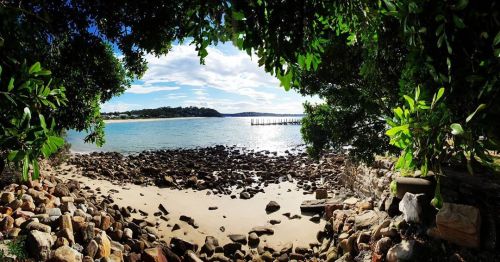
point(135, 136)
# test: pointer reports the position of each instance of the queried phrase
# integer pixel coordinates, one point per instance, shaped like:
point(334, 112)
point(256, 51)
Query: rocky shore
point(57, 218)
point(219, 169)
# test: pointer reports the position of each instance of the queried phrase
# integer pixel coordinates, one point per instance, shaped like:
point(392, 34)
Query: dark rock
point(272, 206)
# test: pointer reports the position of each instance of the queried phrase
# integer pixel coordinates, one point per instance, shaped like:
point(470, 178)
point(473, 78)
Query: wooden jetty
point(274, 121)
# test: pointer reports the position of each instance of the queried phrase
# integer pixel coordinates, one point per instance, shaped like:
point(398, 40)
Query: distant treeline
point(244, 114)
point(164, 112)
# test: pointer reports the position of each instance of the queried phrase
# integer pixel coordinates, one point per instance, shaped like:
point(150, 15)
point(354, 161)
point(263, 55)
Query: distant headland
point(178, 112)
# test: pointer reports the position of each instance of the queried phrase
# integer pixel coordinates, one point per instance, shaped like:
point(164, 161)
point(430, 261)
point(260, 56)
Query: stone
point(245, 195)
point(321, 193)
point(413, 185)
point(33, 225)
point(39, 244)
point(163, 209)
point(210, 244)
point(317, 205)
point(128, 233)
point(369, 218)
point(231, 248)
point(104, 244)
point(7, 197)
point(253, 239)
point(66, 222)
point(92, 248)
point(67, 234)
point(153, 255)
point(67, 254)
point(459, 224)
point(316, 218)
point(239, 238)
point(391, 205)
point(403, 251)
point(272, 206)
point(262, 230)
point(351, 201)
point(7, 223)
point(180, 246)
point(411, 207)
point(383, 245)
point(192, 257)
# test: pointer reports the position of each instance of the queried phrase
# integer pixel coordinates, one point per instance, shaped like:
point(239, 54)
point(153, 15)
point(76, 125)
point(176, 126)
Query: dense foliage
point(166, 112)
point(27, 118)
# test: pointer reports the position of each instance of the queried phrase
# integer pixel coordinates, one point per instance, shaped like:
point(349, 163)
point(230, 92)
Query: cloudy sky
point(230, 82)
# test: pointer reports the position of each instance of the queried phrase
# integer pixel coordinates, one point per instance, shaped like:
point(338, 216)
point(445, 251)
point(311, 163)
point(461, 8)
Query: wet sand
point(237, 216)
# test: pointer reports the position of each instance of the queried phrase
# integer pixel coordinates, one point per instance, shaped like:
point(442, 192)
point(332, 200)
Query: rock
point(33, 225)
point(67, 254)
point(104, 244)
point(7, 197)
point(391, 205)
point(287, 248)
point(231, 248)
point(369, 218)
point(245, 195)
point(210, 244)
point(316, 218)
point(351, 201)
point(66, 222)
point(321, 193)
point(459, 224)
point(274, 221)
point(39, 244)
point(154, 255)
point(212, 208)
point(272, 206)
point(411, 207)
point(192, 257)
point(262, 230)
point(242, 239)
point(253, 239)
point(413, 185)
point(403, 251)
point(92, 248)
point(317, 205)
point(180, 246)
point(61, 190)
point(7, 224)
point(383, 245)
point(163, 209)
point(128, 233)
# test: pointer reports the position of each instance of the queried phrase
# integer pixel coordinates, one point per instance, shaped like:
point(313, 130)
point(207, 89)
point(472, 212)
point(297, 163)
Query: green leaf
point(15, 155)
point(459, 23)
point(496, 41)
point(26, 115)
point(461, 4)
point(439, 94)
point(393, 131)
point(479, 108)
point(390, 5)
point(26, 167)
point(11, 84)
point(410, 102)
point(42, 122)
point(238, 16)
point(36, 67)
point(456, 129)
point(36, 168)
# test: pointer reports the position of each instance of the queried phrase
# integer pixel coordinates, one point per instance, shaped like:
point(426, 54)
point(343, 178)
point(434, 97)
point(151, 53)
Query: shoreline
point(112, 121)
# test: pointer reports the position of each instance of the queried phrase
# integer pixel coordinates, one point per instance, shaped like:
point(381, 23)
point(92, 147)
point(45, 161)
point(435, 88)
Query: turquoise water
point(130, 137)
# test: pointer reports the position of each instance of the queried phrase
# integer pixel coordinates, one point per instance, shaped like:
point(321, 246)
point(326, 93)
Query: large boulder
point(404, 251)
point(39, 244)
point(459, 224)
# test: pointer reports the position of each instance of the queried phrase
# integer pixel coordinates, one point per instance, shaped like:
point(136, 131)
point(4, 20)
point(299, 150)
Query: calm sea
point(131, 137)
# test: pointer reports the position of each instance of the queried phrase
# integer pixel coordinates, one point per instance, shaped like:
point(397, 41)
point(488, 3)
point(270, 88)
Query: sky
point(230, 82)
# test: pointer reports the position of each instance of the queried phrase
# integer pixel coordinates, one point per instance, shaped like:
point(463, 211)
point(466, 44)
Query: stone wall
point(368, 181)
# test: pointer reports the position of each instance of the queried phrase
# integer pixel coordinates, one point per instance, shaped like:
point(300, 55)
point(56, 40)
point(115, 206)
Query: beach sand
point(237, 216)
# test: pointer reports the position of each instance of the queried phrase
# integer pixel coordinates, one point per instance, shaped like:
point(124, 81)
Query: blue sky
point(230, 82)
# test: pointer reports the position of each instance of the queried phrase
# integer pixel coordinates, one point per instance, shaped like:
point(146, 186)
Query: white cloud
point(232, 73)
point(146, 89)
point(119, 107)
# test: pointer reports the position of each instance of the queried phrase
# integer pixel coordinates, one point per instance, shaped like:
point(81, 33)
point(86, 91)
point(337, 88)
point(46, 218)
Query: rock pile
point(64, 222)
point(216, 168)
